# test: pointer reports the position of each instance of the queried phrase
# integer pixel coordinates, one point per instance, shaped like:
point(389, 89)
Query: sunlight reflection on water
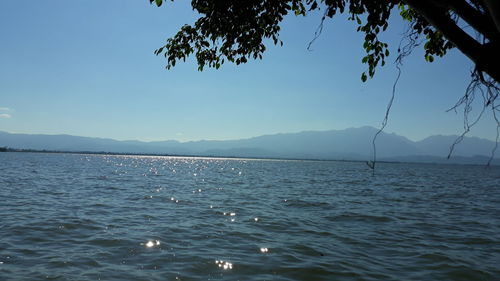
point(224, 264)
point(151, 243)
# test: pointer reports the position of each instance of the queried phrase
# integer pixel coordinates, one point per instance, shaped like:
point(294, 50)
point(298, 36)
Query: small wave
point(358, 217)
point(305, 204)
point(102, 242)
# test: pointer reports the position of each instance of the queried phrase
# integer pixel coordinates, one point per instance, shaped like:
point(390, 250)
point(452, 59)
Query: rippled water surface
point(91, 217)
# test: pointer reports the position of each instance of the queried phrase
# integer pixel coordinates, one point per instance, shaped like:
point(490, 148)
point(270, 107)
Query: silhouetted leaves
point(363, 77)
point(238, 30)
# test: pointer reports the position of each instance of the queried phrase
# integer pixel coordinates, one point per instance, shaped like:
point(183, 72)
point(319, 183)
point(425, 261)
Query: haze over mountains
point(348, 144)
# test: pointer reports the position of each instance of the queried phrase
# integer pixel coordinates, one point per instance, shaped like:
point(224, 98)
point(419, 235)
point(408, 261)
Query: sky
point(87, 68)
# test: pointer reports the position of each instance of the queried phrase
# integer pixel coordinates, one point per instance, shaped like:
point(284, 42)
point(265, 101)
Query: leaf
point(363, 77)
point(158, 2)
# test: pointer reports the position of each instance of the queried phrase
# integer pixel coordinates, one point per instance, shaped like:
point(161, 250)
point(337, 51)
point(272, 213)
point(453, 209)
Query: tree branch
point(482, 56)
point(479, 21)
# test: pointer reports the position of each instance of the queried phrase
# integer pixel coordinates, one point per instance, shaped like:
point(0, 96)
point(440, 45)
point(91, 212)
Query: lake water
point(100, 217)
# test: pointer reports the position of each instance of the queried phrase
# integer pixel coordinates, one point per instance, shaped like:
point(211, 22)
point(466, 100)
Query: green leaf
point(363, 77)
point(158, 2)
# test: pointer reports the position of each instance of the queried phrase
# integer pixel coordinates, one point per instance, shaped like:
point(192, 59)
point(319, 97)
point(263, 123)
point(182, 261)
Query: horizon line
point(236, 139)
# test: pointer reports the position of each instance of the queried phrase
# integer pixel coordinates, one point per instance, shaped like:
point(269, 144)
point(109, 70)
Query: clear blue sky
point(87, 68)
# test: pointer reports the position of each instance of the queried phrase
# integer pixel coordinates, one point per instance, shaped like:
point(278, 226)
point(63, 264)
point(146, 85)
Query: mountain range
point(347, 144)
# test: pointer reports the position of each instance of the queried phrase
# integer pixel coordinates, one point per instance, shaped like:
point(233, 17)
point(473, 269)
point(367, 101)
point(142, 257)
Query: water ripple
point(91, 217)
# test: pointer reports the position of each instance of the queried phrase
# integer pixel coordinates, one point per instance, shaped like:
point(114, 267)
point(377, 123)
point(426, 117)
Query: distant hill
point(348, 144)
point(468, 147)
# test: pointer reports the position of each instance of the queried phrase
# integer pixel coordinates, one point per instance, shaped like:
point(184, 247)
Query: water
point(91, 217)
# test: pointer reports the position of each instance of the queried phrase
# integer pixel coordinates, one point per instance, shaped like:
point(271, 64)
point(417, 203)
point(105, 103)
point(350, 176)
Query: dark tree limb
point(484, 56)
point(479, 21)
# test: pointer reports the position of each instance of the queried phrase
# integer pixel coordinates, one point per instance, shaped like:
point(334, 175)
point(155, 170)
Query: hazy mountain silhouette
point(348, 144)
point(468, 147)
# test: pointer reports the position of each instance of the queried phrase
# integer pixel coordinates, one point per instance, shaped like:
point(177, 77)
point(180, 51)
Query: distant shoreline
point(3, 149)
point(7, 149)
point(348, 145)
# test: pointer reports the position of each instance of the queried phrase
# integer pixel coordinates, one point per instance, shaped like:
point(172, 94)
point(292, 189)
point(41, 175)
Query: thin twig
point(406, 46)
point(489, 90)
point(318, 31)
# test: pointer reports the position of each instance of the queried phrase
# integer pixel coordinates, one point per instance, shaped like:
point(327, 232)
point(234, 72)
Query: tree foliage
point(236, 30)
